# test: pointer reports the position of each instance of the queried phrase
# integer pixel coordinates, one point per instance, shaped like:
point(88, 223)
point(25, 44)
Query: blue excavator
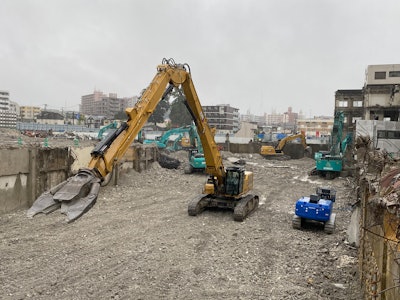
point(317, 208)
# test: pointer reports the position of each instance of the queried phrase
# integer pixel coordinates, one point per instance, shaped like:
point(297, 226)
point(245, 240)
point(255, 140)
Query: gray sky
point(258, 56)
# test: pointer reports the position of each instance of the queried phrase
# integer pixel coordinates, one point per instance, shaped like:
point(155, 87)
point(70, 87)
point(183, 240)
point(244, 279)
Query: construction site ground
point(138, 242)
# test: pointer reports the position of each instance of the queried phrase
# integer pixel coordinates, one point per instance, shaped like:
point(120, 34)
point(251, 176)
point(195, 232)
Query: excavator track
point(330, 224)
point(296, 222)
point(245, 206)
point(198, 204)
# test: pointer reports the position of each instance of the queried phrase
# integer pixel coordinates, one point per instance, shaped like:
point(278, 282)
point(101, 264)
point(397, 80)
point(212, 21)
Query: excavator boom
point(225, 187)
point(78, 194)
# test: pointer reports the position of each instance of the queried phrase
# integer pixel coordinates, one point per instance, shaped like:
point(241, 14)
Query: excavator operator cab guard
point(234, 180)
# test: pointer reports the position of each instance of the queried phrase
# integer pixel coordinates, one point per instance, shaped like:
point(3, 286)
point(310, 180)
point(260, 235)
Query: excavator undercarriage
point(242, 207)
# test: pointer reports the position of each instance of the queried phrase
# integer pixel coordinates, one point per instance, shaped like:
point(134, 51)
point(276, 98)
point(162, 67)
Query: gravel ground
point(138, 242)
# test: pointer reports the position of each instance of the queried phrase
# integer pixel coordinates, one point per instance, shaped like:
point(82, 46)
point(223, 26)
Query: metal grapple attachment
point(75, 196)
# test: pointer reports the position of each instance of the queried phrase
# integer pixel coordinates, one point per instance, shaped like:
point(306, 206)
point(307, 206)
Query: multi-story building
point(379, 99)
point(250, 118)
point(287, 120)
point(382, 93)
point(8, 110)
point(274, 119)
point(4, 100)
point(351, 103)
point(316, 127)
point(291, 117)
point(29, 113)
point(223, 117)
point(99, 104)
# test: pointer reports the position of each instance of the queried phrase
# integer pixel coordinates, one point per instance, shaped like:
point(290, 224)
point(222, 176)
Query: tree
point(179, 114)
point(158, 115)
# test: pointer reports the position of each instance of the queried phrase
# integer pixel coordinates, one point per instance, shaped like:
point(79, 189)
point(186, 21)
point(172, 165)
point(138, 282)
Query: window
point(342, 103)
point(394, 73)
point(381, 134)
point(389, 134)
point(380, 75)
point(357, 103)
point(393, 135)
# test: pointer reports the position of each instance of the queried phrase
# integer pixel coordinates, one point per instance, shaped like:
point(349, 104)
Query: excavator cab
point(234, 181)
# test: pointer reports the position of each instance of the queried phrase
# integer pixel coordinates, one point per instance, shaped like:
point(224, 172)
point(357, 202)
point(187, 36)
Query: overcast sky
point(259, 56)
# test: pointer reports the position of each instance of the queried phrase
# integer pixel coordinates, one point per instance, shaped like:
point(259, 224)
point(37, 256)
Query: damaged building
point(372, 116)
point(379, 99)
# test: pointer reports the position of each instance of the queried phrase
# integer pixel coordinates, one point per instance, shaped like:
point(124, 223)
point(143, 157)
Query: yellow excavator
point(225, 187)
point(271, 152)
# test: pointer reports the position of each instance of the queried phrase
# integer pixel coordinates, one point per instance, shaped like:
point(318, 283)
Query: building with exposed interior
point(379, 99)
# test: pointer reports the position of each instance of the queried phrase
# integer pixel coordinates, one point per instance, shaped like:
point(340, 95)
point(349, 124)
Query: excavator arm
point(78, 194)
point(212, 155)
point(289, 138)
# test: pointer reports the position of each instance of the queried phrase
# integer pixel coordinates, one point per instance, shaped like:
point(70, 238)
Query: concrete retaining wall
point(25, 173)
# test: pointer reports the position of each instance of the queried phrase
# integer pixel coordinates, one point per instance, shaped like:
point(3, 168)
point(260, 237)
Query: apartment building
point(316, 127)
point(250, 118)
point(274, 119)
point(223, 117)
point(8, 110)
point(100, 104)
point(29, 113)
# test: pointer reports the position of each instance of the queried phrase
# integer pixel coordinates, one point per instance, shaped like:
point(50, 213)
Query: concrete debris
point(381, 173)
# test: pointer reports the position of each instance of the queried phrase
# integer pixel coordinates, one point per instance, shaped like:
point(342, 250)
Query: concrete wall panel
point(27, 173)
point(13, 190)
point(14, 161)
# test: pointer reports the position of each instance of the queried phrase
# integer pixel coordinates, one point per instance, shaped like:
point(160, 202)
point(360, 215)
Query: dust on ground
point(138, 242)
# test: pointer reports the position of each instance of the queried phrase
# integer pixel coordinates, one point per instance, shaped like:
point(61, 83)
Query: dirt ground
point(138, 242)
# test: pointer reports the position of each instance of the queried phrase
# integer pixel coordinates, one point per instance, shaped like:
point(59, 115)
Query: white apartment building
point(8, 110)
